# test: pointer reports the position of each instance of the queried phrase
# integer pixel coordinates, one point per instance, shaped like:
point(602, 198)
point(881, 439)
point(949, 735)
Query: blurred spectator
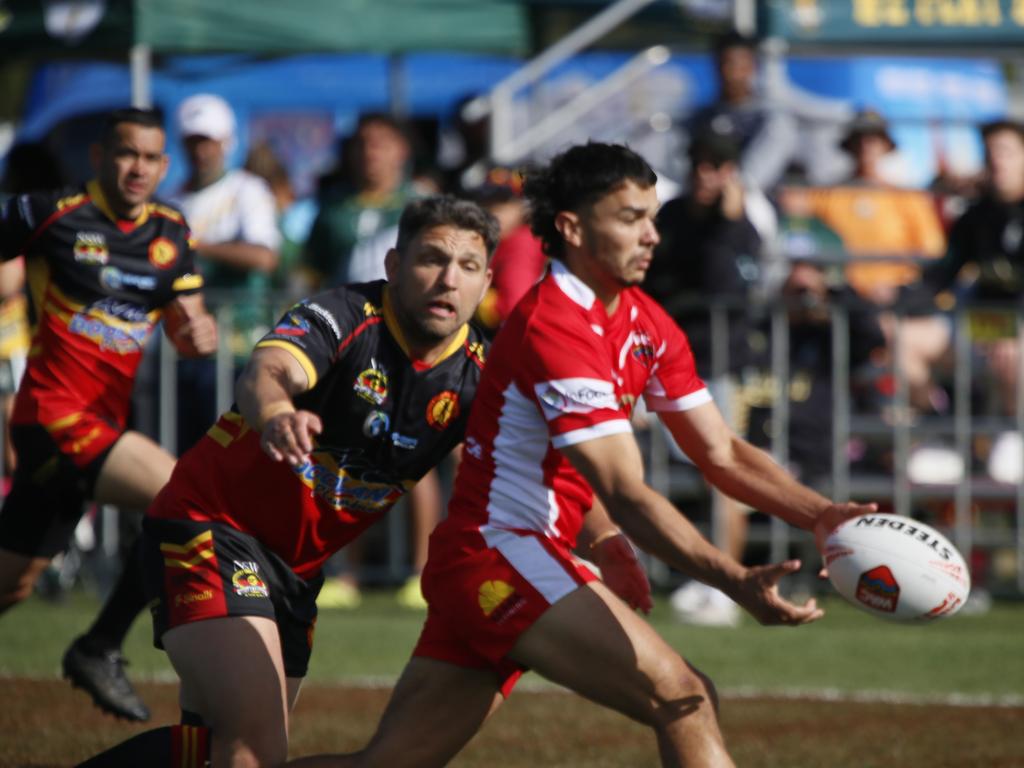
point(519, 260)
point(709, 250)
point(893, 228)
point(232, 215)
point(294, 220)
point(986, 251)
point(768, 136)
point(362, 201)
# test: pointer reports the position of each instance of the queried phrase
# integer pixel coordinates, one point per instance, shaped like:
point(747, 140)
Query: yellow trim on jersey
point(100, 201)
point(63, 421)
point(218, 435)
point(298, 354)
point(192, 562)
point(187, 282)
point(184, 549)
point(167, 212)
point(391, 321)
point(37, 276)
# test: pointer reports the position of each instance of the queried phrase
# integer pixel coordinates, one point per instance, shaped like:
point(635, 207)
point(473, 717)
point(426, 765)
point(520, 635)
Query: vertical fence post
point(780, 417)
point(962, 428)
point(840, 316)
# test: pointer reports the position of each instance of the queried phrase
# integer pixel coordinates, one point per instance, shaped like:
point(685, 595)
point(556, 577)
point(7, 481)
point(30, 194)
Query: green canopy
point(109, 27)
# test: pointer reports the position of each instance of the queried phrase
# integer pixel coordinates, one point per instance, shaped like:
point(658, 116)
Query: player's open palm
point(758, 593)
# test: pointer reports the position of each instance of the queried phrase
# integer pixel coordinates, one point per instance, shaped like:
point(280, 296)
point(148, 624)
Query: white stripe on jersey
point(528, 556)
point(518, 497)
point(658, 402)
point(614, 427)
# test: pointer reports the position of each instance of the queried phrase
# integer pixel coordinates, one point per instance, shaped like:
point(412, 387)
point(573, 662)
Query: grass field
point(846, 691)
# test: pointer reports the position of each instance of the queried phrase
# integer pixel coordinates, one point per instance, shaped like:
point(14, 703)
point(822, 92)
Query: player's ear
point(391, 260)
point(569, 227)
point(165, 163)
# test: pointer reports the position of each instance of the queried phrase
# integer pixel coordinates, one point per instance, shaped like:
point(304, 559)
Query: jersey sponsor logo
point(246, 580)
point(123, 341)
point(66, 202)
point(122, 310)
point(192, 597)
point(499, 600)
point(372, 384)
point(115, 279)
point(324, 315)
point(292, 324)
point(576, 395)
point(476, 349)
point(404, 441)
point(372, 310)
point(91, 248)
point(162, 253)
point(331, 483)
point(878, 589)
point(442, 409)
point(376, 424)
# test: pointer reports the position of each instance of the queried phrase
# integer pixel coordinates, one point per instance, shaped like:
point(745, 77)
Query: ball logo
point(442, 409)
point(878, 589)
point(162, 253)
point(372, 386)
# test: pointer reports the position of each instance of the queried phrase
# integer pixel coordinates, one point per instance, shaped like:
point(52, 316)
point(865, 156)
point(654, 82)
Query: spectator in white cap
point(234, 222)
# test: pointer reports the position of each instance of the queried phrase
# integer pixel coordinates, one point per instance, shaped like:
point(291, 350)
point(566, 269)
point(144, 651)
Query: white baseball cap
point(206, 115)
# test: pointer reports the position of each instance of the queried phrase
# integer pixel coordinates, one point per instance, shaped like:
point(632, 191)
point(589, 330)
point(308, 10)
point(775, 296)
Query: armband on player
point(275, 408)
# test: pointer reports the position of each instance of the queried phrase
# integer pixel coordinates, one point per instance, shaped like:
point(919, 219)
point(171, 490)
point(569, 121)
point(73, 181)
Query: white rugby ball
point(896, 568)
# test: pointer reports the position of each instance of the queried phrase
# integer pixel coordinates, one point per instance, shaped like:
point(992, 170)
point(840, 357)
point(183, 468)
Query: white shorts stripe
point(538, 566)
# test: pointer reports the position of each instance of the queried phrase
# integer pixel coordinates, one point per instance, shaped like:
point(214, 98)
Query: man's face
point(708, 179)
point(382, 152)
point(869, 149)
point(1004, 155)
point(130, 166)
point(438, 282)
point(618, 235)
point(206, 157)
point(737, 68)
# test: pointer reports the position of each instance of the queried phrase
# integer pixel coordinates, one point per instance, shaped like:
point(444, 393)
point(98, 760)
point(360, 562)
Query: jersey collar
point(95, 191)
point(572, 286)
point(396, 331)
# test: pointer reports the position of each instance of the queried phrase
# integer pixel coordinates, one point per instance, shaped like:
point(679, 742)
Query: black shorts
point(51, 485)
point(197, 571)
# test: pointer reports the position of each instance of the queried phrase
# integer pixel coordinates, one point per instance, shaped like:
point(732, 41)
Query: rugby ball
point(896, 568)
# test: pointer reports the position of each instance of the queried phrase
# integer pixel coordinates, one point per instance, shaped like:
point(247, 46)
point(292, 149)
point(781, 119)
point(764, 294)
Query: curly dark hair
point(575, 179)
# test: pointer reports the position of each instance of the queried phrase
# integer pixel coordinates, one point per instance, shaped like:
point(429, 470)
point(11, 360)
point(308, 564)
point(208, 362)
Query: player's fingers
point(315, 425)
point(271, 451)
point(776, 571)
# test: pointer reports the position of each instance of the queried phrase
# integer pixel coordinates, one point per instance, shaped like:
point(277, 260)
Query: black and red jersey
point(98, 284)
point(387, 420)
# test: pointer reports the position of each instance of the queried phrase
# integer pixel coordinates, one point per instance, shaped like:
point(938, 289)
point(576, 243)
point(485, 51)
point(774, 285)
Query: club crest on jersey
point(878, 589)
point(162, 253)
point(376, 424)
point(442, 409)
point(91, 248)
point(247, 581)
point(643, 349)
point(372, 385)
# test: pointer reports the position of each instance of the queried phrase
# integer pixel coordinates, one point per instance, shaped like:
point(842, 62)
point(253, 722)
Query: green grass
point(847, 650)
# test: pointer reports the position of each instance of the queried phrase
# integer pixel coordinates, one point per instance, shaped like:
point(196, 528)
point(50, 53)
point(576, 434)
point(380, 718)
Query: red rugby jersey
point(561, 371)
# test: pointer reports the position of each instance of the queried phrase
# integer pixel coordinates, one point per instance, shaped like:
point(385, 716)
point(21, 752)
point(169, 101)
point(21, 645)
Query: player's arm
point(603, 543)
point(191, 329)
point(613, 466)
point(748, 474)
point(245, 257)
point(264, 392)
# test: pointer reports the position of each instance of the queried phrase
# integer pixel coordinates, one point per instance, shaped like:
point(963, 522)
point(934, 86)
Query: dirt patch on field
point(46, 723)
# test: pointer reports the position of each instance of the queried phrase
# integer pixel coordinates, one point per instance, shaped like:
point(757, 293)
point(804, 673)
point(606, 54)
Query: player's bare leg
point(232, 675)
point(435, 709)
point(18, 575)
point(592, 643)
point(134, 472)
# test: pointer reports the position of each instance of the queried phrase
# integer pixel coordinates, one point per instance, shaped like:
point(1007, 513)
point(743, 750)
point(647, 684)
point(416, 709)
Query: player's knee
point(260, 752)
point(680, 691)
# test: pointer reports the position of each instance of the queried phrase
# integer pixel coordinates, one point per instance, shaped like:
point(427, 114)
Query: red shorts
point(486, 591)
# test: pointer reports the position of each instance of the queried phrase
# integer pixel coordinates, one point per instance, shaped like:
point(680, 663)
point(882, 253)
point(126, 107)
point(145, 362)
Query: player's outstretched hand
point(759, 594)
point(622, 573)
point(831, 518)
point(289, 436)
point(197, 337)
